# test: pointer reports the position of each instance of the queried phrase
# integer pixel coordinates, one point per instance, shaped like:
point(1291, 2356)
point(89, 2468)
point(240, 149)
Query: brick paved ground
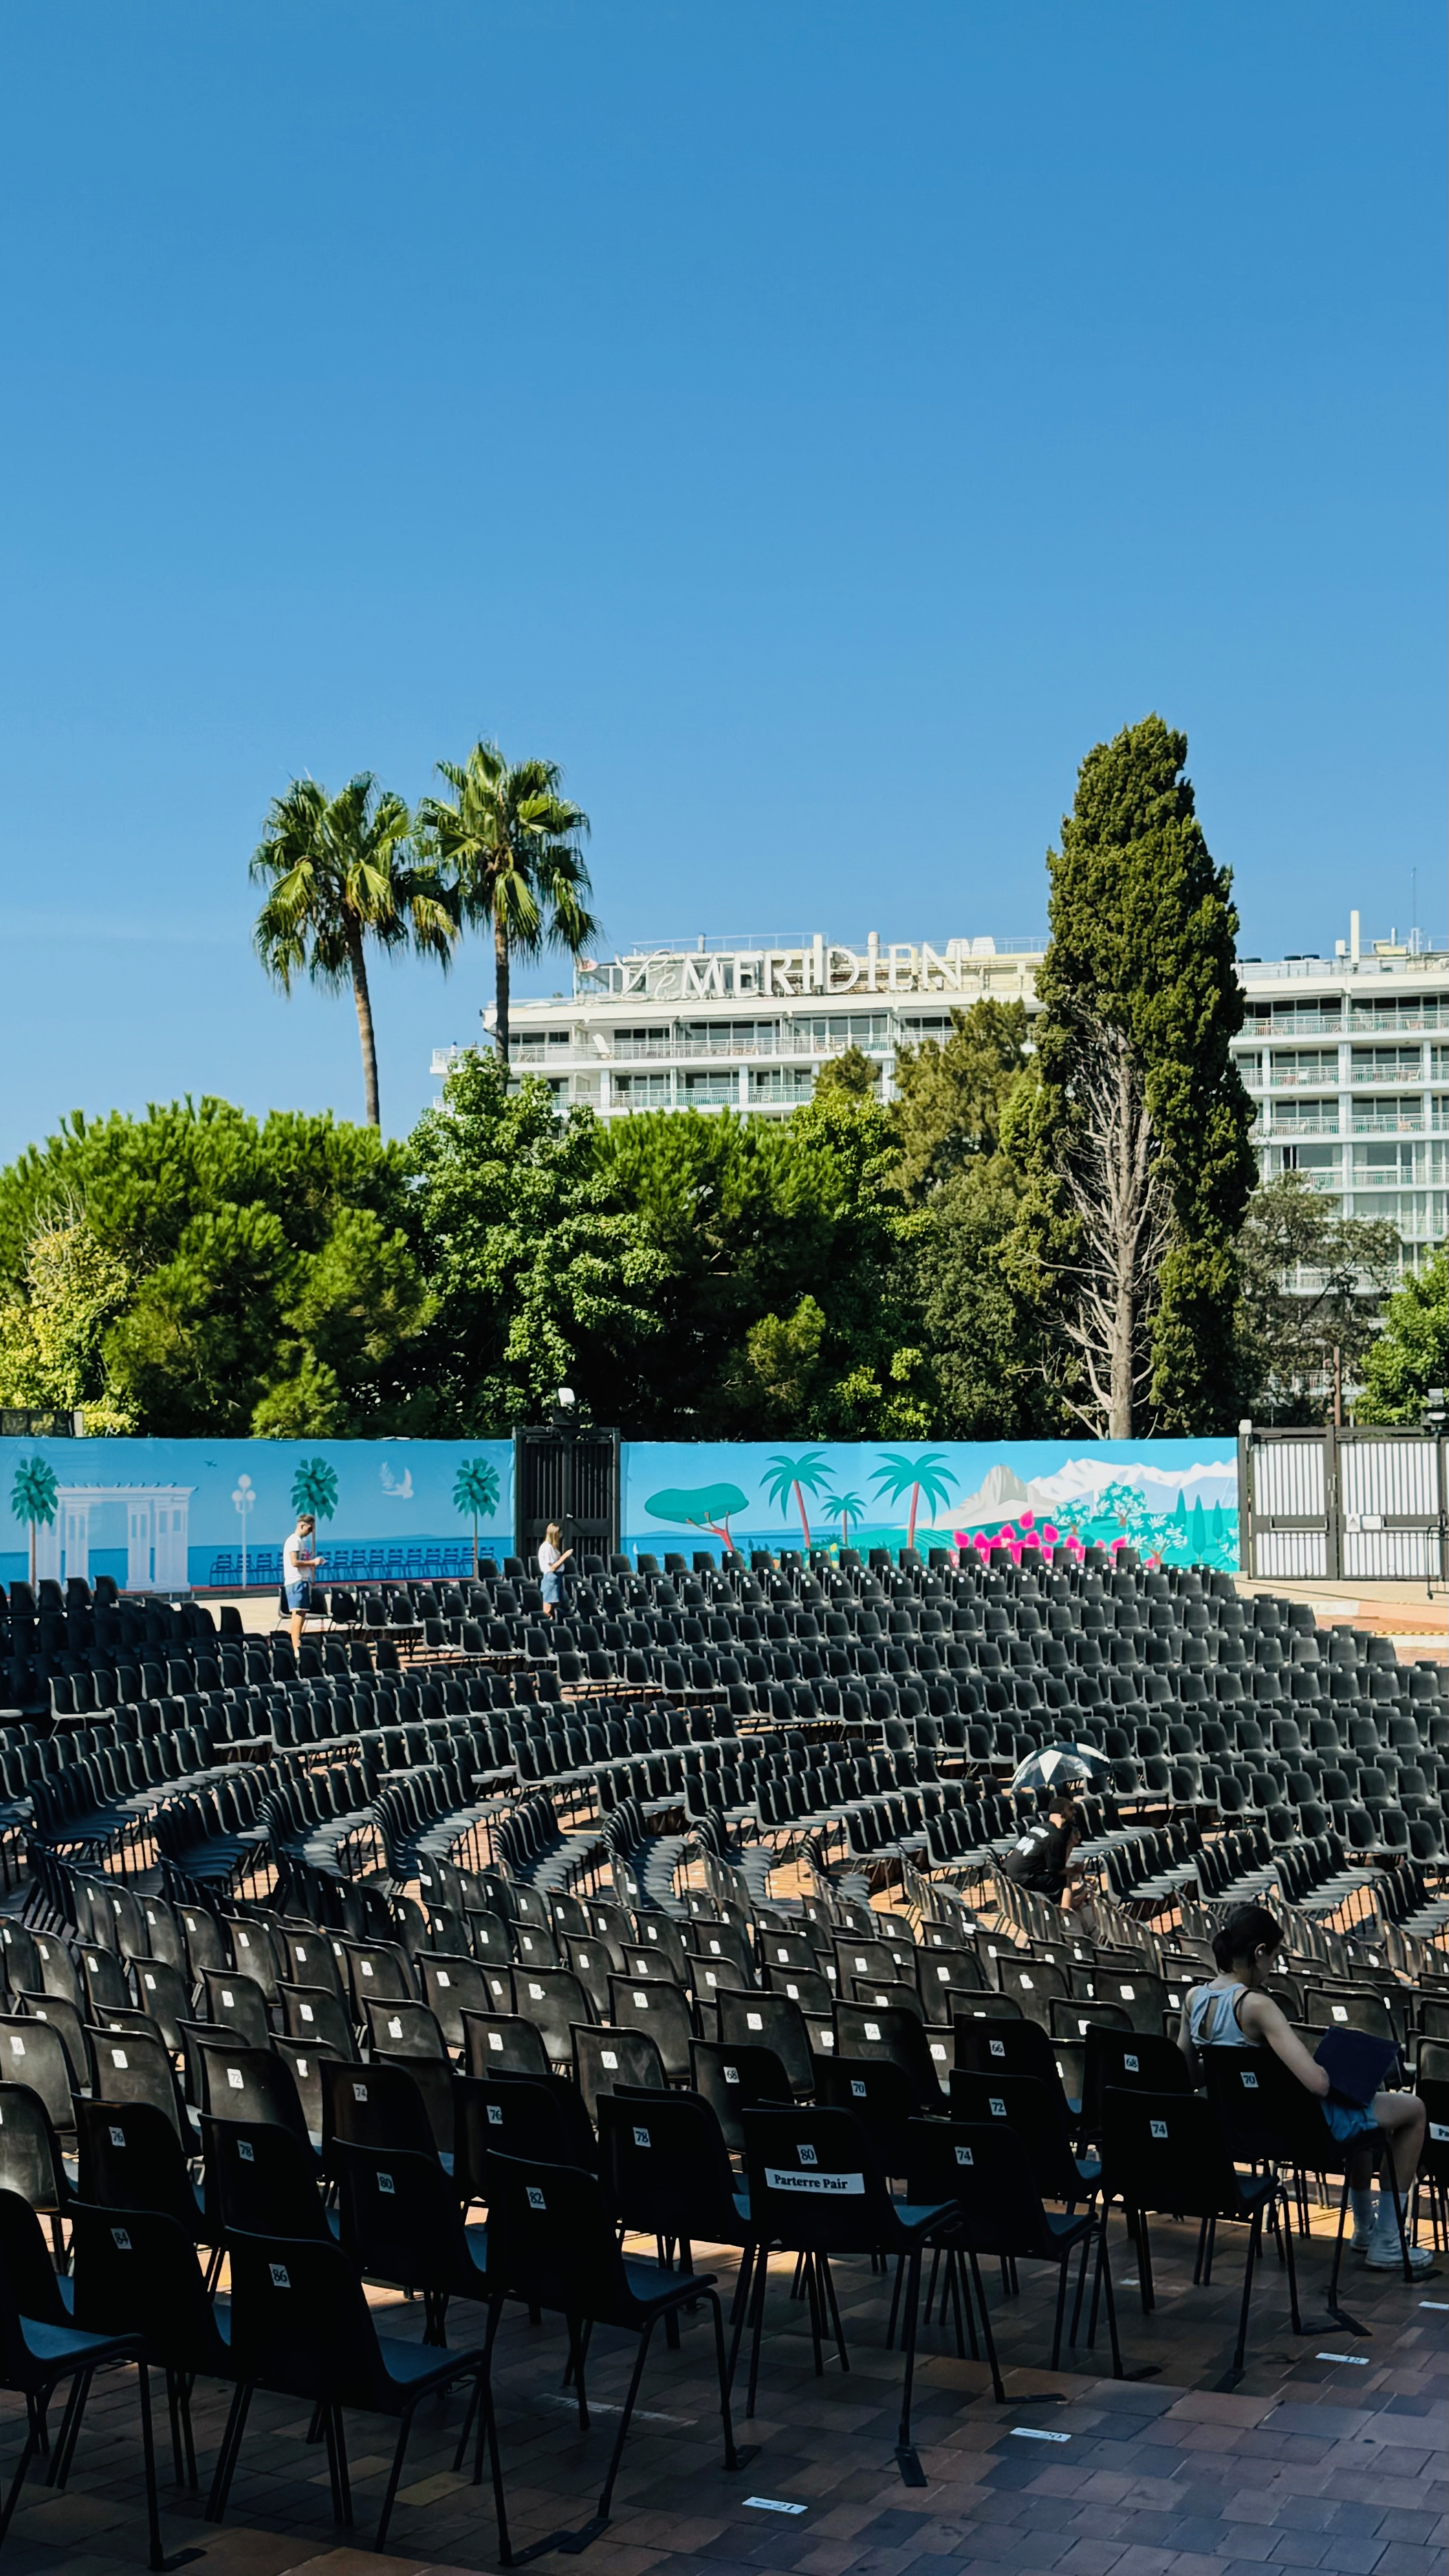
point(1306, 2463)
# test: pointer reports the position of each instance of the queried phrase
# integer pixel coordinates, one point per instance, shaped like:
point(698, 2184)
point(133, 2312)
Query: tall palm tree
point(509, 842)
point(845, 1508)
point(340, 871)
point(897, 1475)
point(475, 1491)
point(797, 1476)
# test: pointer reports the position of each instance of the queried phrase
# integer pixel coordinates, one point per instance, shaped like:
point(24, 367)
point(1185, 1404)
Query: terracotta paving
point(1307, 2461)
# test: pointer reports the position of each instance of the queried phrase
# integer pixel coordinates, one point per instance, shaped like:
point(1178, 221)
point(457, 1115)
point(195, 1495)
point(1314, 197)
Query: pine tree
point(1139, 1160)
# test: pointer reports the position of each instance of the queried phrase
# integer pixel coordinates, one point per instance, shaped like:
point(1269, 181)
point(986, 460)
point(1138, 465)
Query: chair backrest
point(28, 2285)
point(300, 2321)
point(881, 2095)
point(815, 2181)
point(60, 2016)
point(136, 2272)
point(451, 1986)
point(1070, 2017)
point(164, 1993)
point(870, 2030)
point(1135, 2059)
point(662, 2011)
point(399, 2217)
point(1034, 2112)
point(378, 1972)
point(542, 2119)
point(1166, 2151)
point(310, 1958)
point(1263, 2111)
point(239, 2003)
point(1433, 2092)
point(255, 1952)
point(131, 2158)
point(551, 2241)
point(131, 2067)
point(400, 2028)
point(772, 2022)
point(554, 2001)
point(503, 2043)
point(1017, 2047)
point(261, 2179)
point(1141, 1994)
point(249, 2084)
point(665, 2167)
point(372, 2106)
point(723, 1945)
point(987, 2171)
point(1033, 1982)
point(104, 1980)
point(732, 2080)
point(316, 2013)
point(30, 2159)
point(663, 1939)
point(606, 2057)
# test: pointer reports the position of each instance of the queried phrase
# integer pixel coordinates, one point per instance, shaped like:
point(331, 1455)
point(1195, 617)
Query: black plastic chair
point(452, 1986)
point(131, 2066)
point(1023, 2104)
point(816, 2189)
point(1130, 2061)
point(300, 2324)
point(131, 2158)
point(136, 2273)
point(666, 2171)
point(503, 2043)
point(1166, 2151)
point(880, 2094)
point(317, 2015)
point(1000, 2212)
point(659, 2010)
point(31, 2162)
point(252, 2084)
point(733, 2080)
point(237, 2003)
point(1268, 2117)
point(894, 2032)
point(542, 2119)
point(775, 2023)
point(552, 2244)
point(41, 2350)
point(33, 2053)
point(400, 2222)
point(373, 2106)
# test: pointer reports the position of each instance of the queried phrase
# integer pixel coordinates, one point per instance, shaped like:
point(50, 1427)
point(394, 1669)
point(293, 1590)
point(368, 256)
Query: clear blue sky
point(813, 425)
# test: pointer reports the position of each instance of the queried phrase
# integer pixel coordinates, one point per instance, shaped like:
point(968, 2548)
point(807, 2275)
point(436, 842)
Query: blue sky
point(814, 426)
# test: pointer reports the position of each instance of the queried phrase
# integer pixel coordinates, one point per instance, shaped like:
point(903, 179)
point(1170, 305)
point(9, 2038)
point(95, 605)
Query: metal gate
point(1355, 1505)
point(569, 1476)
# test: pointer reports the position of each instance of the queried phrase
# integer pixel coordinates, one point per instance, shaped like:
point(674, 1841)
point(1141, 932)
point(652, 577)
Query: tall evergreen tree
point(1139, 1160)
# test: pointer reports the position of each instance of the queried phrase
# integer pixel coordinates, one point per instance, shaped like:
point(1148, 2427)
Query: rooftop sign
point(794, 973)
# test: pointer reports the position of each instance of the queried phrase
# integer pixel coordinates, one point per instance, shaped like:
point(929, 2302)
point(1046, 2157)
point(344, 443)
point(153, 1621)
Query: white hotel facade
point(1346, 1057)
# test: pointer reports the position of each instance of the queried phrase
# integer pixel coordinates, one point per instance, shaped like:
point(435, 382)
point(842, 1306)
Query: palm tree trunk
point(501, 965)
point(363, 999)
point(804, 1524)
point(911, 1522)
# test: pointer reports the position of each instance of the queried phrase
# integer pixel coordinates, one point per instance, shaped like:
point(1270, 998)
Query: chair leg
point(1081, 2287)
point(726, 2373)
point(762, 2275)
point(634, 2379)
point(988, 2337)
point(1104, 2275)
point(906, 2460)
point(394, 2474)
point(895, 2303)
point(1062, 2270)
point(227, 2456)
point(812, 2291)
point(740, 2304)
point(1148, 2292)
point(64, 2452)
point(832, 2306)
point(1286, 2240)
point(148, 2454)
point(1255, 2232)
point(27, 2455)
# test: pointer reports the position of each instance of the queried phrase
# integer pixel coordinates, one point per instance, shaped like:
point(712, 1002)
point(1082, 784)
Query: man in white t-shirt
point(299, 1564)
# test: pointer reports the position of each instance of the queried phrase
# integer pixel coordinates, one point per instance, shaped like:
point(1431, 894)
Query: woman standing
point(1233, 2012)
point(552, 1558)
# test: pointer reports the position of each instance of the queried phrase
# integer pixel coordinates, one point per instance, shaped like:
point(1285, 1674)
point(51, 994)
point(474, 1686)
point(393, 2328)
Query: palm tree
point(341, 871)
point(33, 1498)
point(797, 1476)
point(846, 1508)
point(475, 1490)
point(314, 1489)
point(897, 1475)
point(509, 842)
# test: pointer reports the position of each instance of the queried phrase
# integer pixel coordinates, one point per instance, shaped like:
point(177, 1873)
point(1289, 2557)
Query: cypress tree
point(1139, 1155)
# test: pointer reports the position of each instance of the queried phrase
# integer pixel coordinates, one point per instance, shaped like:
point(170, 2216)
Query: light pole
point(243, 1497)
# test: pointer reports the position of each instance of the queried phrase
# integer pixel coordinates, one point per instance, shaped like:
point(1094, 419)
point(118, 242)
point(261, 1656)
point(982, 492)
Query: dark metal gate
point(569, 1476)
point(1358, 1505)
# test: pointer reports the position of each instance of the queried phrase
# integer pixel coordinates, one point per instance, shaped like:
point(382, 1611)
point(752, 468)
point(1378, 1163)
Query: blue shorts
point(1349, 2120)
point(552, 1586)
point(299, 1596)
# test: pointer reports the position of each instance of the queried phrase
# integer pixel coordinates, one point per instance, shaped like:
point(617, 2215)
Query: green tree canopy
point(253, 1276)
point(1412, 1353)
point(1310, 1281)
point(540, 1277)
point(952, 1095)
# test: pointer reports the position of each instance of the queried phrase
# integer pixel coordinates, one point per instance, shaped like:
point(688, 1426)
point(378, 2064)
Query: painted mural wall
point(164, 1515)
point(1174, 1501)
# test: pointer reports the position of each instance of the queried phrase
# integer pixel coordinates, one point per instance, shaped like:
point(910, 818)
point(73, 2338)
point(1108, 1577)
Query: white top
point(549, 1556)
point(297, 1556)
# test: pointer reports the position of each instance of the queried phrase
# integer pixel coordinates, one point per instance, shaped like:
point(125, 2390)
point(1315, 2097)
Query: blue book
point(1356, 2063)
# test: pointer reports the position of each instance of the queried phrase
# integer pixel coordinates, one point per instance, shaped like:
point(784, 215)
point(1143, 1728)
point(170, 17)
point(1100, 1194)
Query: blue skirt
point(552, 1586)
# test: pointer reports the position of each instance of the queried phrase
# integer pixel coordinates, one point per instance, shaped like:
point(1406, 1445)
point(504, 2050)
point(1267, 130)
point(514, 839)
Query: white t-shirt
point(550, 1558)
point(297, 1557)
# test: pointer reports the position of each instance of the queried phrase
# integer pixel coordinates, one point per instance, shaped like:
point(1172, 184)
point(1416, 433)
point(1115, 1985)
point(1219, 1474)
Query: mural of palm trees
point(797, 1477)
point(314, 1488)
point(475, 1492)
point(33, 1498)
point(897, 1475)
point(845, 1508)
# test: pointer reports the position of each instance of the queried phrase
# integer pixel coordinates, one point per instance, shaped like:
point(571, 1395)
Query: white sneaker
point(1384, 2254)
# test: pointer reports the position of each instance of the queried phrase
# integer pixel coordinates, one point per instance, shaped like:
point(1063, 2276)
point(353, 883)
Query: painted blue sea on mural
point(1174, 1501)
point(178, 1515)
